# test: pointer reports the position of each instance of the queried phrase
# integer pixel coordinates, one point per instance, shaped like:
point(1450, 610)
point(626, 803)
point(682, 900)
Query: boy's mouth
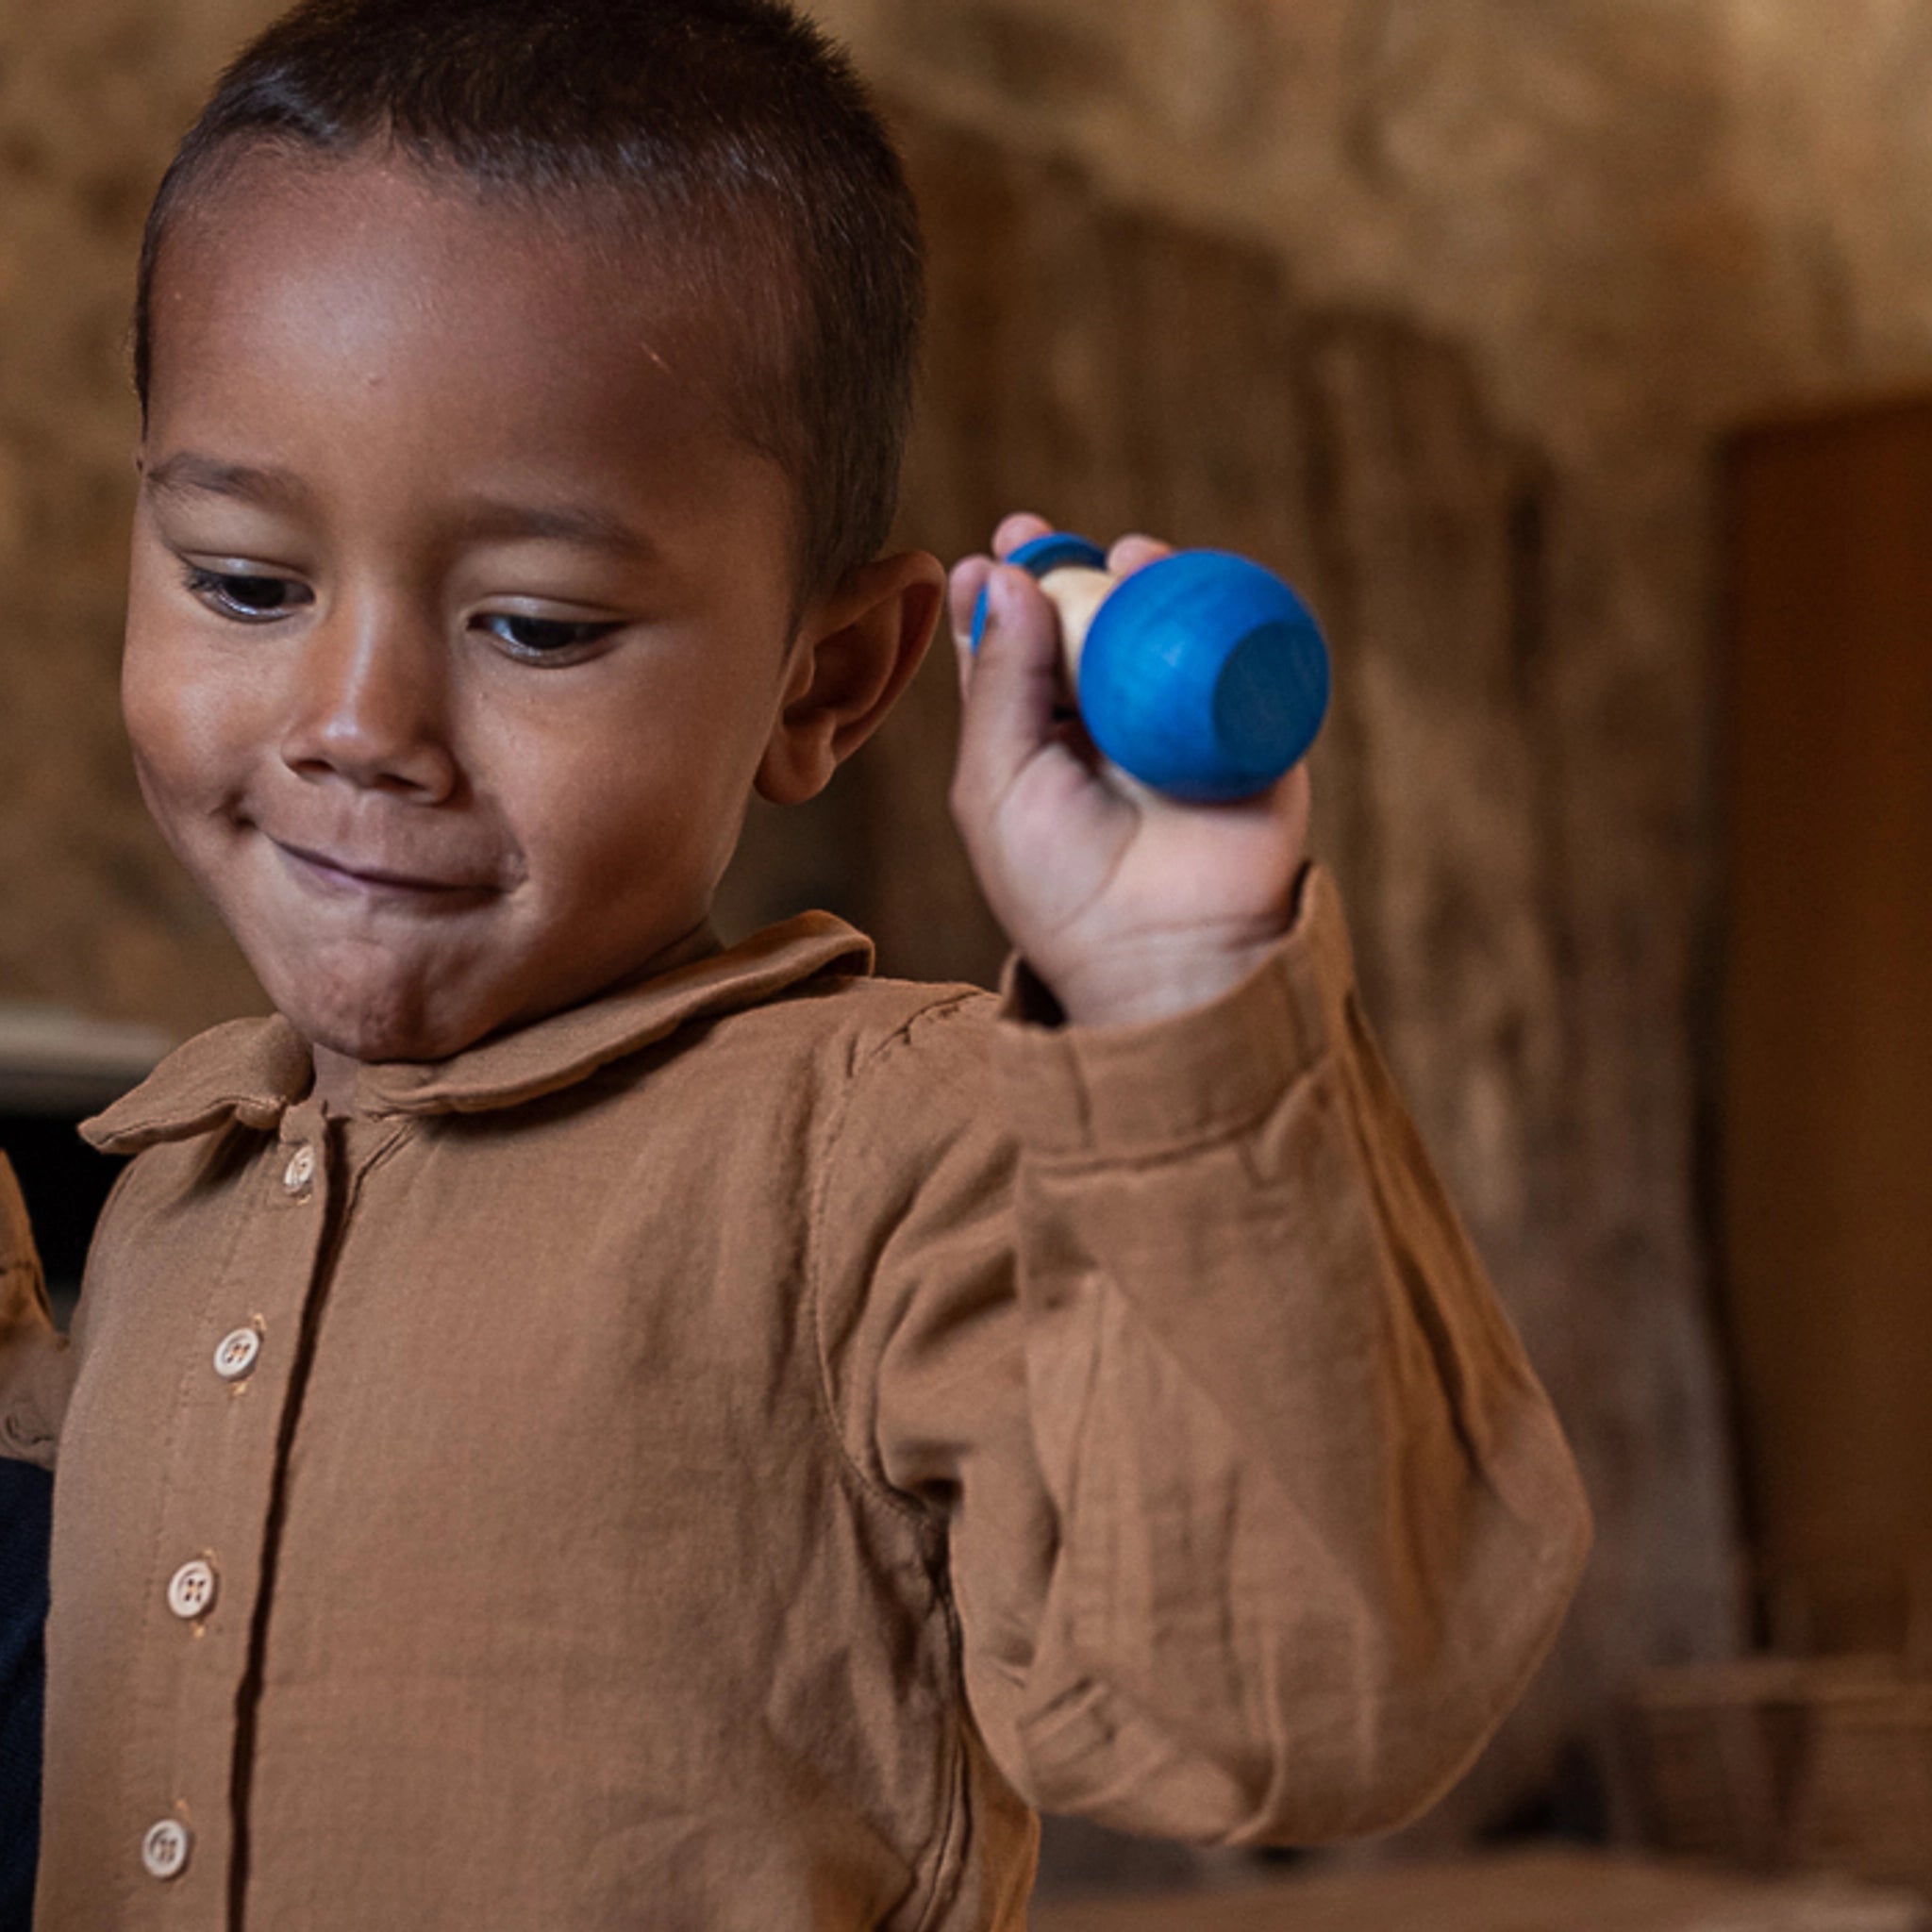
point(338, 877)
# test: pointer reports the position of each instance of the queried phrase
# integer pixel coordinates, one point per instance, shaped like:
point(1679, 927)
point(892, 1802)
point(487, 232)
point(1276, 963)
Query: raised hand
point(1128, 905)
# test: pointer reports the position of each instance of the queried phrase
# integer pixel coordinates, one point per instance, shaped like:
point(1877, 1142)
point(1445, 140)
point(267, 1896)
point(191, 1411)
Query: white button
point(235, 1354)
point(164, 1849)
point(300, 1171)
point(192, 1590)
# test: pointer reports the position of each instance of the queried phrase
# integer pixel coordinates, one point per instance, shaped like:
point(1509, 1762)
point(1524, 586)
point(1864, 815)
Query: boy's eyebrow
point(189, 472)
point(486, 519)
point(482, 520)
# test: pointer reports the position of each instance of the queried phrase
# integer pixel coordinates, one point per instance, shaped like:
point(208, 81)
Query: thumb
point(1012, 687)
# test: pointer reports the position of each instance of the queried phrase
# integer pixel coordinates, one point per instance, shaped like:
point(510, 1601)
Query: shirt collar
point(251, 1071)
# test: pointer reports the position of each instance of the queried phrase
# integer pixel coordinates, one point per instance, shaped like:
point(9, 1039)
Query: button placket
point(223, 1464)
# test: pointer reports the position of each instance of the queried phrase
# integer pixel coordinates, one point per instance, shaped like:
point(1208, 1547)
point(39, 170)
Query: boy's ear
point(854, 653)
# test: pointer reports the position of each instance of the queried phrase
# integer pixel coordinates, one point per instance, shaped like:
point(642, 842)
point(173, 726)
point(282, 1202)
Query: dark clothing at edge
point(25, 1502)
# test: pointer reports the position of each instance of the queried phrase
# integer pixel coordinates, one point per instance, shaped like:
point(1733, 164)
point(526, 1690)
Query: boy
point(570, 1425)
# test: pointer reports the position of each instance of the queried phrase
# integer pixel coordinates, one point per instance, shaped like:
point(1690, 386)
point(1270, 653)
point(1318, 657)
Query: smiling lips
point(339, 875)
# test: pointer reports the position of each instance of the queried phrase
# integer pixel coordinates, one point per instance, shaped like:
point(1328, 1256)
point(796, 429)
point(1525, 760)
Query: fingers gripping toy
point(1203, 676)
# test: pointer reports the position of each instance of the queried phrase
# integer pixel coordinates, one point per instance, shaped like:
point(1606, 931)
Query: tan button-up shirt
point(715, 1457)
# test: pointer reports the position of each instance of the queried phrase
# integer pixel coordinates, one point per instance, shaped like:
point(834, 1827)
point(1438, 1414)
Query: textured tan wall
point(1524, 258)
point(92, 913)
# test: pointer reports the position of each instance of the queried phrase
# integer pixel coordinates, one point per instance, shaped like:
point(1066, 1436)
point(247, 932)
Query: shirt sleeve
point(1257, 1519)
point(35, 1373)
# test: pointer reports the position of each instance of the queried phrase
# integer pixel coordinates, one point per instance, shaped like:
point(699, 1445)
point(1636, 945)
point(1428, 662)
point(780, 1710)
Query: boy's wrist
point(1160, 976)
point(1083, 1089)
point(1138, 986)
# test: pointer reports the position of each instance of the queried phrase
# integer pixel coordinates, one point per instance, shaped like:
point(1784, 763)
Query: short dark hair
point(733, 127)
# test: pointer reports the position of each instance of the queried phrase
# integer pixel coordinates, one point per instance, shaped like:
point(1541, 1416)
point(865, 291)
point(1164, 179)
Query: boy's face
point(459, 620)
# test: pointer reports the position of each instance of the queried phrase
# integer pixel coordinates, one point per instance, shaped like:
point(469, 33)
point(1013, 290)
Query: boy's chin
point(376, 1043)
point(375, 1029)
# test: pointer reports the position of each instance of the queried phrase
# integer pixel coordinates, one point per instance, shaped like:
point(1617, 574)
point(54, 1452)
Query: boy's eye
point(245, 597)
point(543, 637)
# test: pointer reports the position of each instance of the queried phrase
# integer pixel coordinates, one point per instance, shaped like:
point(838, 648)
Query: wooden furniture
point(1538, 1892)
point(1796, 1764)
point(1826, 1084)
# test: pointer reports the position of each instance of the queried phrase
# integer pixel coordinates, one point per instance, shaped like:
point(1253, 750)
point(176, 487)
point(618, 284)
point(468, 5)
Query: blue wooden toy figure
point(1203, 674)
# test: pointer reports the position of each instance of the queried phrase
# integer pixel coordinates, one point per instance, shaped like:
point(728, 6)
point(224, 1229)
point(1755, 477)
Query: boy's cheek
point(159, 715)
point(185, 694)
point(180, 728)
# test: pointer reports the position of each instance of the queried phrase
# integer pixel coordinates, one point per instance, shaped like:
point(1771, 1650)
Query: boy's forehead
point(392, 274)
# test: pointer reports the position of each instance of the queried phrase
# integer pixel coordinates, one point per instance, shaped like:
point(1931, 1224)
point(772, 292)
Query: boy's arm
point(1256, 1518)
point(35, 1373)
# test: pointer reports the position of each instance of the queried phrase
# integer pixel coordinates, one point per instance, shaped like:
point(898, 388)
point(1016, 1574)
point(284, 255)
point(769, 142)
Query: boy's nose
point(370, 706)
